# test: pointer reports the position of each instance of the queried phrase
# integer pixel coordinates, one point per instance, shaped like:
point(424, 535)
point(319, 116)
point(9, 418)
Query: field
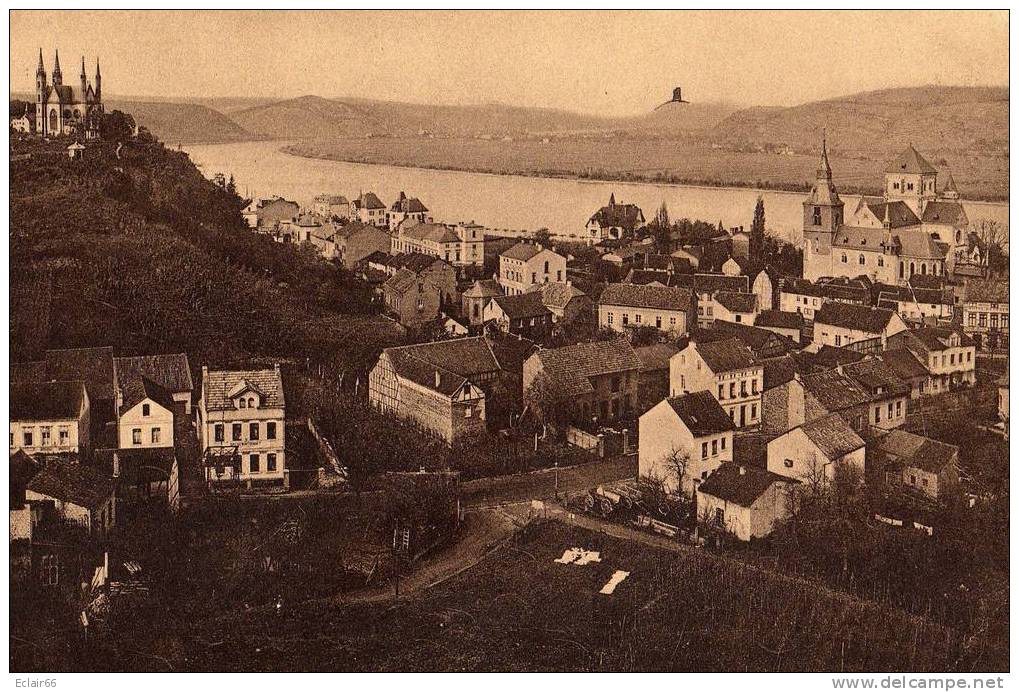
point(518, 610)
point(980, 176)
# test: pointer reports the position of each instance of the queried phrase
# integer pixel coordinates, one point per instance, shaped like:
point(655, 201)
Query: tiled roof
point(950, 213)
point(920, 452)
point(876, 376)
point(401, 282)
point(736, 302)
point(415, 261)
point(522, 305)
point(93, 366)
point(778, 371)
point(408, 205)
point(168, 370)
point(761, 342)
point(643, 277)
point(138, 388)
point(456, 361)
point(725, 355)
point(626, 216)
point(833, 436)
point(219, 384)
point(483, 288)
point(557, 294)
point(910, 161)
point(522, 251)
point(831, 356)
point(919, 244)
point(141, 464)
point(74, 483)
point(739, 484)
point(778, 318)
point(900, 214)
point(656, 356)
point(904, 363)
point(570, 367)
point(349, 230)
point(834, 391)
point(331, 199)
point(41, 401)
point(652, 297)
point(32, 371)
point(369, 200)
point(701, 413)
point(987, 291)
point(432, 232)
point(712, 283)
point(851, 316)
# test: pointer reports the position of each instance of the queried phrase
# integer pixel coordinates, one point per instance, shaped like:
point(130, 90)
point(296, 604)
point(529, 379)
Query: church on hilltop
point(64, 109)
point(915, 227)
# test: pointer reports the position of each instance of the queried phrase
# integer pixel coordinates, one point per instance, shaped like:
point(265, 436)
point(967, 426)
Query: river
point(517, 203)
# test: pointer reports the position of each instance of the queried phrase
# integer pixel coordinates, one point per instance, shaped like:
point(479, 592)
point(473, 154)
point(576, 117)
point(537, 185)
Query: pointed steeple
point(83, 67)
point(950, 191)
point(58, 78)
point(40, 69)
point(887, 220)
point(612, 199)
point(824, 170)
point(99, 83)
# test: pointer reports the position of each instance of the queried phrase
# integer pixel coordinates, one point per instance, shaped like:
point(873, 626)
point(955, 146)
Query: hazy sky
point(596, 62)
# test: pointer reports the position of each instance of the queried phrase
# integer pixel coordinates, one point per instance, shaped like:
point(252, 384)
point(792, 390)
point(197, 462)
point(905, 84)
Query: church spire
point(58, 78)
point(99, 82)
point(824, 170)
point(40, 69)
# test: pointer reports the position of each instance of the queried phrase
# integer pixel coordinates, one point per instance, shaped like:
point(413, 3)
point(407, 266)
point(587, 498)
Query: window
point(27, 437)
point(862, 259)
point(253, 463)
point(898, 408)
point(50, 568)
point(877, 414)
point(546, 266)
point(251, 402)
point(626, 318)
point(721, 392)
point(136, 436)
point(838, 340)
point(719, 516)
point(742, 387)
point(155, 436)
point(788, 463)
point(951, 359)
point(890, 408)
point(658, 321)
point(912, 479)
point(559, 275)
point(753, 386)
point(732, 390)
point(714, 448)
point(236, 431)
point(218, 432)
point(45, 436)
point(63, 436)
point(243, 403)
point(983, 319)
point(672, 321)
point(704, 450)
point(253, 431)
point(534, 277)
point(845, 259)
point(817, 216)
point(270, 462)
point(615, 383)
point(880, 261)
point(270, 431)
point(468, 412)
point(909, 186)
point(636, 318)
point(723, 443)
point(609, 318)
point(145, 409)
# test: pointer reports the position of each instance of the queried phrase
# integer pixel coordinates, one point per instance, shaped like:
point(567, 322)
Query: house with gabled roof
point(240, 422)
point(599, 379)
point(985, 313)
point(171, 371)
point(740, 308)
point(76, 493)
point(406, 209)
point(355, 241)
point(813, 451)
point(744, 501)
point(948, 354)
point(614, 221)
point(522, 315)
point(918, 463)
point(525, 265)
point(683, 439)
point(858, 326)
point(625, 306)
point(438, 386)
point(50, 417)
point(368, 208)
point(788, 324)
point(565, 301)
point(889, 393)
point(727, 369)
point(145, 416)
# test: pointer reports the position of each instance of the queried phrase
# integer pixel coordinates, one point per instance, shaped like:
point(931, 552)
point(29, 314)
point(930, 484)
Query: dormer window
point(243, 403)
point(145, 409)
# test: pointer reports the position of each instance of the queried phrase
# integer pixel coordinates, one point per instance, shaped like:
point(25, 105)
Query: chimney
point(742, 470)
point(438, 379)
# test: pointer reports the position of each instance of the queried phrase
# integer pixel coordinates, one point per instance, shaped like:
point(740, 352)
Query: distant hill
point(184, 123)
point(936, 119)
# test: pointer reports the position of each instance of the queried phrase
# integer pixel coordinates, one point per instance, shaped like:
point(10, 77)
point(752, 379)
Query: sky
point(605, 63)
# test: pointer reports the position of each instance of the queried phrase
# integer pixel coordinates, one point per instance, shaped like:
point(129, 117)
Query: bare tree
point(994, 238)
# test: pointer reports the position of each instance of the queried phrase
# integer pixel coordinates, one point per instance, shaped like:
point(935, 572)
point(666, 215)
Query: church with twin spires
point(65, 109)
point(915, 227)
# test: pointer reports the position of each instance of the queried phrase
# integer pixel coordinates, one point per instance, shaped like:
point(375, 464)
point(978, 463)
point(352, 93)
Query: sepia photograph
point(502, 341)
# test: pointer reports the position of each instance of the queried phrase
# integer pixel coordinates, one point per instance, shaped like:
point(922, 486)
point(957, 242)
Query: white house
point(688, 435)
point(667, 309)
point(948, 354)
point(525, 265)
point(727, 369)
point(170, 371)
point(241, 426)
point(49, 417)
point(145, 416)
point(744, 501)
point(844, 324)
point(813, 451)
point(79, 493)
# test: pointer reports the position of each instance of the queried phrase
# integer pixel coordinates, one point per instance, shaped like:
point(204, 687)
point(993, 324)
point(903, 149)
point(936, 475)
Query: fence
point(586, 440)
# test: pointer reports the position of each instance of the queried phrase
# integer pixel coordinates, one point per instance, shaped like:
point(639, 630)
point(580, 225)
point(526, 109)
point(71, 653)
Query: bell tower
point(823, 213)
point(40, 94)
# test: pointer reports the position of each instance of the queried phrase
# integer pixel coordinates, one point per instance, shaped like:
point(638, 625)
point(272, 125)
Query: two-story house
point(889, 393)
point(614, 221)
point(521, 315)
point(241, 416)
point(627, 306)
point(171, 371)
point(461, 245)
point(526, 264)
point(406, 208)
point(49, 417)
point(145, 416)
point(683, 439)
point(985, 313)
point(356, 241)
point(331, 206)
point(598, 381)
point(860, 327)
point(728, 370)
point(947, 352)
point(813, 451)
point(368, 208)
point(439, 386)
